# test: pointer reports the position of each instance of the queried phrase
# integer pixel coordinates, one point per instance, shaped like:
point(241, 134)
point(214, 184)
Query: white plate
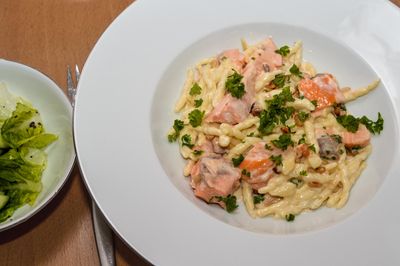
point(124, 109)
point(56, 113)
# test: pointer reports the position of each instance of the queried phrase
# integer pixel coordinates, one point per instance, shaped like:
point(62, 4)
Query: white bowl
point(56, 113)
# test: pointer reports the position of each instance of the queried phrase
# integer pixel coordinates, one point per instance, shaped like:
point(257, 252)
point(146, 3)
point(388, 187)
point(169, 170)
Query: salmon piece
point(360, 138)
point(265, 58)
point(214, 176)
point(236, 57)
point(257, 162)
point(323, 88)
point(230, 110)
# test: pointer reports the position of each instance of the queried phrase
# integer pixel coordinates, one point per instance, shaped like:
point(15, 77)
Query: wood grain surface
point(48, 35)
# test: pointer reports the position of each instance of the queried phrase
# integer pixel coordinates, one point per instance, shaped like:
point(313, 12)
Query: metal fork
point(103, 233)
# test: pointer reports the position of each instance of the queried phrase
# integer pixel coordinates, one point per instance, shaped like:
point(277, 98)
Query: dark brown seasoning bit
point(320, 170)
point(302, 151)
point(265, 67)
point(255, 109)
point(338, 187)
point(314, 184)
point(339, 109)
point(296, 93)
point(285, 129)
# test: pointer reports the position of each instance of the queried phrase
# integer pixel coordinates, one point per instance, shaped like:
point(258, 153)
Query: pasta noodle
point(265, 124)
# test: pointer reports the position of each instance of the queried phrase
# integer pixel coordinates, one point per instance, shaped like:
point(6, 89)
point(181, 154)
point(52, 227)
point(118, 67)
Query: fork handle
point(104, 238)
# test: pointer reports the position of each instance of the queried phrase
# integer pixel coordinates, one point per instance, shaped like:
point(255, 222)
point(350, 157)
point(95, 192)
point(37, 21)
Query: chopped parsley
point(373, 127)
point(276, 111)
point(267, 147)
point(290, 217)
point(234, 85)
point(296, 71)
point(252, 134)
point(280, 80)
point(303, 173)
point(237, 161)
point(198, 103)
point(283, 51)
point(246, 173)
point(178, 126)
point(351, 123)
point(198, 152)
point(314, 102)
point(187, 141)
point(196, 117)
point(283, 141)
point(195, 89)
point(312, 148)
point(296, 181)
point(338, 138)
point(258, 198)
point(303, 116)
point(277, 160)
point(230, 202)
point(302, 140)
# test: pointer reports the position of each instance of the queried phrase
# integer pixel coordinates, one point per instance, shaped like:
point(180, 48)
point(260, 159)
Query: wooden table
point(48, 35)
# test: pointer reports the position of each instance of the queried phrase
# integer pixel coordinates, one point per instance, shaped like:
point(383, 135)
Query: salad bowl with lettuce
point(36, 146)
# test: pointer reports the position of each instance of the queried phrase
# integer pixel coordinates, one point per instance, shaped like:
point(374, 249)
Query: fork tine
point(70, 83)
point(77, 74)
point(70, 87)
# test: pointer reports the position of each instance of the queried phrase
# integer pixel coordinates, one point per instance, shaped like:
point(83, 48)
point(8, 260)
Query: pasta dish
point(262, 125)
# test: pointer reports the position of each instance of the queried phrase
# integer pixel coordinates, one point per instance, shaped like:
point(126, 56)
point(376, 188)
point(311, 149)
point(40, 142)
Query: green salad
point(22, 156)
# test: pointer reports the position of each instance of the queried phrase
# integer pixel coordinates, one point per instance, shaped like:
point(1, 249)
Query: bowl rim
point(8, 224)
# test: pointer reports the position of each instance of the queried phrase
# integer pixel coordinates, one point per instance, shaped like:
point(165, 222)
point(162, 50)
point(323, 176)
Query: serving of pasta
point(264, 126)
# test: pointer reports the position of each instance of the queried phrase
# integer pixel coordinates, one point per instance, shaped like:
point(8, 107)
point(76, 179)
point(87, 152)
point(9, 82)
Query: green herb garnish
point(349, 122)
point(283, 51)
point(195, 89)
point(290, 217)
point(303, 116)
point(237, 161)
point(234, 85)
point(302, 140)
point(198, 103)
point(296, 181)
point(373, 127)
point(314, 102)
point(187, 141)
point(303, 173)
point(258, 198)
point(280, 80)
point(283, 141)
point(296, 71)
point(198, 152)
point(276, 111)
point(196, 117)
point(178, 126)
point(230, 202)
point(312, 148)
point(277, 160)
point(267, 147)
point(246, 173)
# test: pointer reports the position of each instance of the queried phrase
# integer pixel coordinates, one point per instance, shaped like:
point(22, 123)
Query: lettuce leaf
point(23, 125)
point(22, 158)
